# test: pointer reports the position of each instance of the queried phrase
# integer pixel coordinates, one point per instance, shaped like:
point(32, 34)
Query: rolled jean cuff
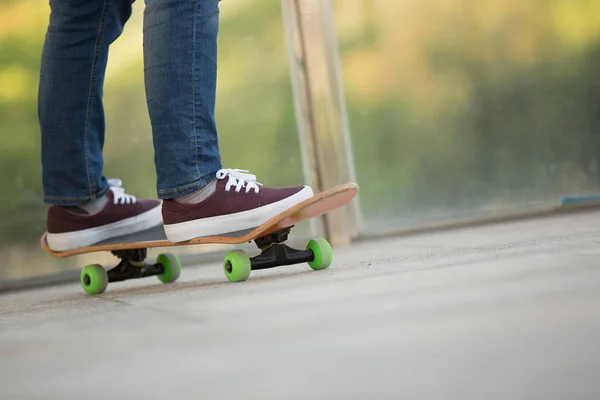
point(164, 194)
point(74, 200)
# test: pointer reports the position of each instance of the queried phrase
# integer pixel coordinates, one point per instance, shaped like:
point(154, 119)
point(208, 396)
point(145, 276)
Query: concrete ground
point(506, 311)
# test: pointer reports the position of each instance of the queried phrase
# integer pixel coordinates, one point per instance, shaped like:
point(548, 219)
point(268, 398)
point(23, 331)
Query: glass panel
point(255, 114)
point(467, 107)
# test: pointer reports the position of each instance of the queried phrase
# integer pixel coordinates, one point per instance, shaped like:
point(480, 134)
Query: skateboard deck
point(269, 237)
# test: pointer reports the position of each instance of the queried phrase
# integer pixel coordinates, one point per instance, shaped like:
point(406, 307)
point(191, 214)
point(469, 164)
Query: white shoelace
point(239, 178)
point(119, 195)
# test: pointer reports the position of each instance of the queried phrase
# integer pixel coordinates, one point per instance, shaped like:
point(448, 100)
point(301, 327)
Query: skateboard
point(269, 237)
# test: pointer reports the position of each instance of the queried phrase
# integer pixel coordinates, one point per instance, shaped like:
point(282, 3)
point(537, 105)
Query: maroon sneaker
point(123, 214)
point(238, 203)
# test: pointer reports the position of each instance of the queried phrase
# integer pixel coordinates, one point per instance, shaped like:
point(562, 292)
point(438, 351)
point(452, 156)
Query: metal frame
point(321, 114)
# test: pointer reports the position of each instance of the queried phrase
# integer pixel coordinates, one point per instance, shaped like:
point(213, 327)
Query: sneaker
point(237, 203)
point(72, 227)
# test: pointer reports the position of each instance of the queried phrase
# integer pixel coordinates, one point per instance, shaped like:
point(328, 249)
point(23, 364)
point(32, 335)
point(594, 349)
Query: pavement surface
point(507, 311)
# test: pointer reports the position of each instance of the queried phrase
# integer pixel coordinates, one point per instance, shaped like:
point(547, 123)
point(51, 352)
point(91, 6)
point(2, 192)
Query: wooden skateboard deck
point(320, 203)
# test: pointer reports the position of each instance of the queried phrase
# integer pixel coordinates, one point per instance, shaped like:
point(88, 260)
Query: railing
point(321, 110)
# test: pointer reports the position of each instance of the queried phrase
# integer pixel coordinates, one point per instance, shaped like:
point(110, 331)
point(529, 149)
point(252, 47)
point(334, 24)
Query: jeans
point(180, 71)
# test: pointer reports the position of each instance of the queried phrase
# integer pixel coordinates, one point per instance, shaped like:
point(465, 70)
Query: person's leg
point(86, 207)
point(180, 64)
point(200, 198)
point(71, 113)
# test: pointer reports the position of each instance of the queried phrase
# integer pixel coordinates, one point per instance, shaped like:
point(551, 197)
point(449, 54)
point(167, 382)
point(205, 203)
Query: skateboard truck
point(133, 266)
point(95, 279)
point(275, 253)
point(237, 265)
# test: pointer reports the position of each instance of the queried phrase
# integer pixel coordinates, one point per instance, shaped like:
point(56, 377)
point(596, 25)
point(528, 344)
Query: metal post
point(321, 110)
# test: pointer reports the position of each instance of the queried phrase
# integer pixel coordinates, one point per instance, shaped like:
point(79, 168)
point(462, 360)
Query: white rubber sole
point(233, 222)
point(87, 237)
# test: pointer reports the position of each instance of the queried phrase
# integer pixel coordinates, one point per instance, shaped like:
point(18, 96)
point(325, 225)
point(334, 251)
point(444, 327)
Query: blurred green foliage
point(458, 107)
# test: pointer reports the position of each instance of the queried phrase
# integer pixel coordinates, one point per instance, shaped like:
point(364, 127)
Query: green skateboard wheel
point(237, 266)
point(171, 267)
point(323, 254)
point(94, 279)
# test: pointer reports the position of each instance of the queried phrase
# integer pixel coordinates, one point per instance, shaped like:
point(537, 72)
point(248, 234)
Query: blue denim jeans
point(180, 67)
